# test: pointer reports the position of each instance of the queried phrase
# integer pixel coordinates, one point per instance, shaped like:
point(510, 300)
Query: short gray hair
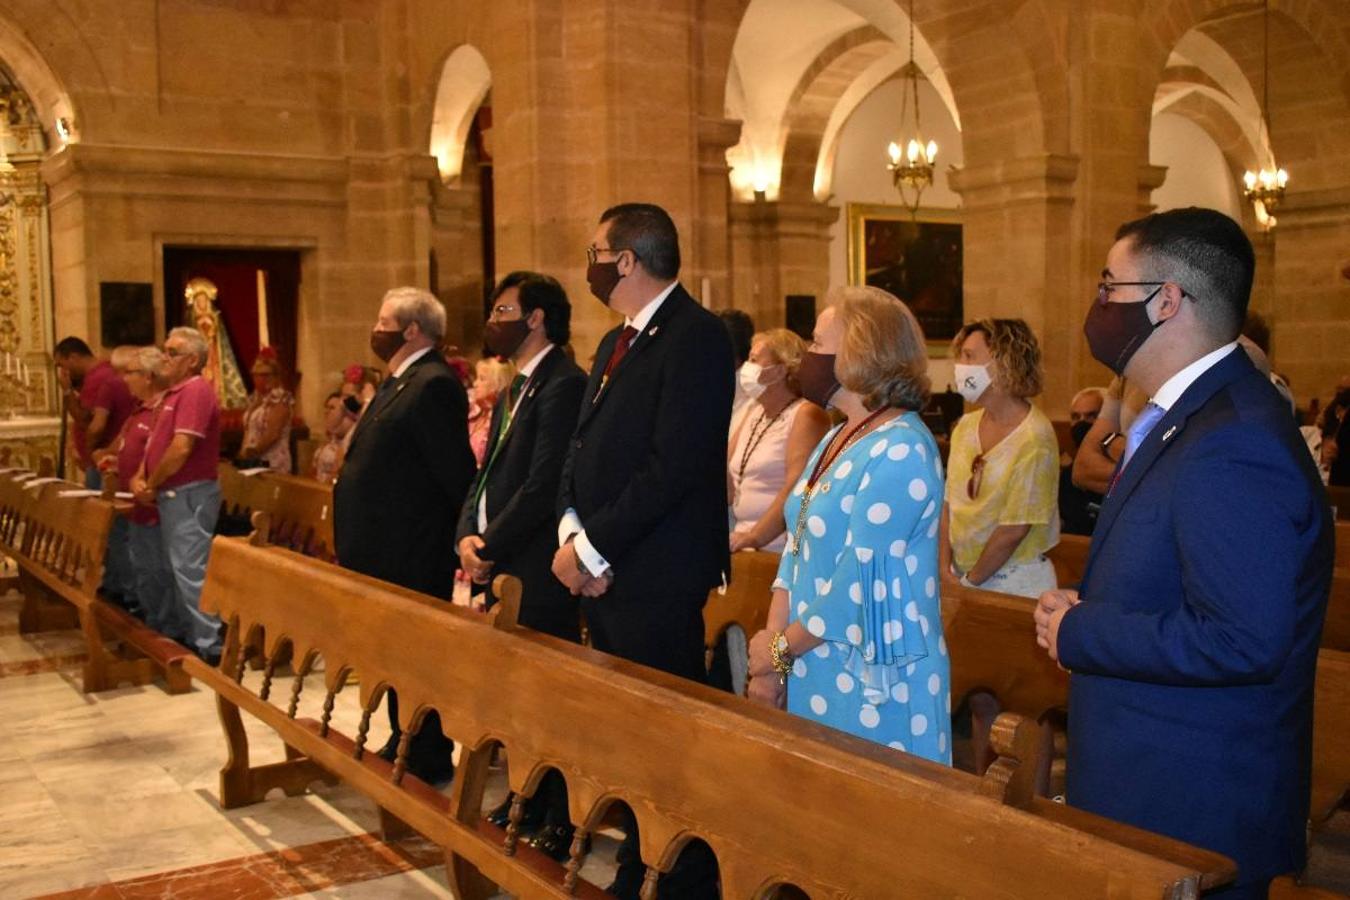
point(416, 305)
point(196, 344)
point(152, 361)
point(1098, 392)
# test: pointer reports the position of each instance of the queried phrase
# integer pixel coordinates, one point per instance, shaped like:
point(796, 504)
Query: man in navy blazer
point(1194, 647)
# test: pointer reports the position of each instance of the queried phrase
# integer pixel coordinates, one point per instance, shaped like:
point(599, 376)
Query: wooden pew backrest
point(745, 600)
point(779, 799)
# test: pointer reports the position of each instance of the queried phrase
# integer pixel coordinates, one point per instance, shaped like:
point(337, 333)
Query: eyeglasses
point(976, 476)
point(174, 352)
point(592, 251)
point(502, 309)
point(1104, 289)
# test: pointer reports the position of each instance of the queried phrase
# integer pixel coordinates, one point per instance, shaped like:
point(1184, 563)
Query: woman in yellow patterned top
point(1002, 510)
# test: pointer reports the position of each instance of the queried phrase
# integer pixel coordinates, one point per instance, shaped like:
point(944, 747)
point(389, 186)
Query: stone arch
point(39, 81)
point(786, 64)
point(464, 82)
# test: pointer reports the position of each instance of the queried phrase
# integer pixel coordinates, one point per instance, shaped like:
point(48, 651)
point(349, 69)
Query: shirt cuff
point(569, 525)
point(589, 556)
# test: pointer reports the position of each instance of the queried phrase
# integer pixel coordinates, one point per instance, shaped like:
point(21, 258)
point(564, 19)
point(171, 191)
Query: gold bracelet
point(779, 656)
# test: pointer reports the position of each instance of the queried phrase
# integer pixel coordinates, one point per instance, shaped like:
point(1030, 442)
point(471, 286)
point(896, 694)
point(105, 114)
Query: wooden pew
point(1069, 558)
point(299, 510)
point(58, 544)
point(763, 788)
point(1331, 735)
point(1343, 546)
point(1339, 497)
point(744, 601)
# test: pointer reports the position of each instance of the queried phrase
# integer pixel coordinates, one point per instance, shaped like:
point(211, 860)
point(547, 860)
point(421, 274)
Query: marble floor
point(114, 795)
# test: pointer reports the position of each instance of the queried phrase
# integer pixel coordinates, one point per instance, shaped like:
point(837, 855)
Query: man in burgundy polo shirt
point(179, 476)
point(96, 399)
point(98, 403)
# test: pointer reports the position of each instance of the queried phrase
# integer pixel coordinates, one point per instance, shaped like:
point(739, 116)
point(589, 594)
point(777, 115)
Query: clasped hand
point(567, 568)
point(1050, 610)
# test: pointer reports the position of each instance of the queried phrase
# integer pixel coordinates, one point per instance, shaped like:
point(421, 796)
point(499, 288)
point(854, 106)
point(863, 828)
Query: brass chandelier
point(1265, 189)
point(912, 167)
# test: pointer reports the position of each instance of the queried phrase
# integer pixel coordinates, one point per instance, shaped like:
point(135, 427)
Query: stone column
point(1016, 231)
point(779, 248)
point(595, 110)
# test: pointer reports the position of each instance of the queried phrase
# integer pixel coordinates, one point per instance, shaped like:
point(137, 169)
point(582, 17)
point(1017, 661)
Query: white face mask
point(750, 374)
point(972, 381)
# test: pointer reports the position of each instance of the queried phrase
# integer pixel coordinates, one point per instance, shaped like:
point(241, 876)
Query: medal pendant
point(825, 488)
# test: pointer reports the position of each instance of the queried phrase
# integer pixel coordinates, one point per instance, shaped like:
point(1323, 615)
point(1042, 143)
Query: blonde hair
point(787, 347)
point(882, 357)
point(1016, 353)
point(498, 373)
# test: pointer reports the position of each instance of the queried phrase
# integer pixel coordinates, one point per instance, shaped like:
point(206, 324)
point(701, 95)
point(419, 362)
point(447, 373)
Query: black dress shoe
point(555, 842)
point(501, 815)
point(530, 820)
point(210, 657)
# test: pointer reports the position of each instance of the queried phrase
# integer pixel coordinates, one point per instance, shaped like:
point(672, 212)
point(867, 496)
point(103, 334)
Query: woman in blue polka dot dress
point(855, 628)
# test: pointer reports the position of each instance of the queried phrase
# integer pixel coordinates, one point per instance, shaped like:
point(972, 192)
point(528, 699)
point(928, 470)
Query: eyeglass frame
point(592, 250)
point(1104, 289)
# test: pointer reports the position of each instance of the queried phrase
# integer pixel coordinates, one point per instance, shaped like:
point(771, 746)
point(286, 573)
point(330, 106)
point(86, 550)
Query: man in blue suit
point(1194, 646)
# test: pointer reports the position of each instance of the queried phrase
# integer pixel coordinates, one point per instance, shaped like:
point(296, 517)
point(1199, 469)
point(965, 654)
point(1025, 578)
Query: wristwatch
point(780, 657)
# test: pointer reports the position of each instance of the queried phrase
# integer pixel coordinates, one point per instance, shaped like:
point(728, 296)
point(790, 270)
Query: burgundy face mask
point(603, 277)
point(385, 344)
point(816, 376)
point(505, 338)
point(1115, 331)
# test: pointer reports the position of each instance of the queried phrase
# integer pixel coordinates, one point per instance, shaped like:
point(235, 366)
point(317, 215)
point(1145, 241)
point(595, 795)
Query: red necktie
point(620, 350)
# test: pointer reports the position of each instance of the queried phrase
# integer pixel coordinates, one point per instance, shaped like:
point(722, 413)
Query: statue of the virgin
point(222, 369)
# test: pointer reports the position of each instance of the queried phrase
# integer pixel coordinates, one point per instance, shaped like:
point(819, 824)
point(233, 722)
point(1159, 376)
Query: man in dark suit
point(643, 506)
point(1194, 646)
point(508, 523)
point(407, 470)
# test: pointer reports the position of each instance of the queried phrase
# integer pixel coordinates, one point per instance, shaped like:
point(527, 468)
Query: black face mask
point(603, 277)
point(1079, 431)
point(816, 377)
point(505, 338)
point(385, 344)
point(1115, 331)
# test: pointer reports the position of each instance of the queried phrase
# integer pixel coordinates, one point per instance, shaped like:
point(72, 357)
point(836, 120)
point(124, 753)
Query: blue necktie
point(1139, 429)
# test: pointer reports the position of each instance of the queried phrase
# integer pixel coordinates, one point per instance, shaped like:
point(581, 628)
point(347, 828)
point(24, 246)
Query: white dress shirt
point(412, 358)
point(1174, 387)
point(571, 525)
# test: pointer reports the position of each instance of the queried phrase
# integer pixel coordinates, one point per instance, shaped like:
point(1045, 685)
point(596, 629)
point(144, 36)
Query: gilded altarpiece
point(28, 420)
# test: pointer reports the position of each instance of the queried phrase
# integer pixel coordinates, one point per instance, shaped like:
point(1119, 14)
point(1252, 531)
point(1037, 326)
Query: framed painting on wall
point(919, 261)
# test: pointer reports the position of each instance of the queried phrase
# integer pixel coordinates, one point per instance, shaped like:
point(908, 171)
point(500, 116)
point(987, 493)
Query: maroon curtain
point(235, 274)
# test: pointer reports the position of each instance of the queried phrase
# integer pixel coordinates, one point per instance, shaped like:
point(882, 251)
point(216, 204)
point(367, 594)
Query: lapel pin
point(651, 332)
point(1169, 432)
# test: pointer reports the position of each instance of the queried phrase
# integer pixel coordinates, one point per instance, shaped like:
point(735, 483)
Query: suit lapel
point(1164, 434)
point(649, 335)
point(537, 379)
point(382, 402)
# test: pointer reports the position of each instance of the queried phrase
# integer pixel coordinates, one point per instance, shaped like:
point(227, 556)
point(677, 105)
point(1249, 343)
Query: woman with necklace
point(854, 638)
point(770, 440)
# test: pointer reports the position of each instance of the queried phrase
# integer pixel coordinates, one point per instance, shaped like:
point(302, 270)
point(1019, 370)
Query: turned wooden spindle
point(576, 858)
point(513, 824)
point(401, 757)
